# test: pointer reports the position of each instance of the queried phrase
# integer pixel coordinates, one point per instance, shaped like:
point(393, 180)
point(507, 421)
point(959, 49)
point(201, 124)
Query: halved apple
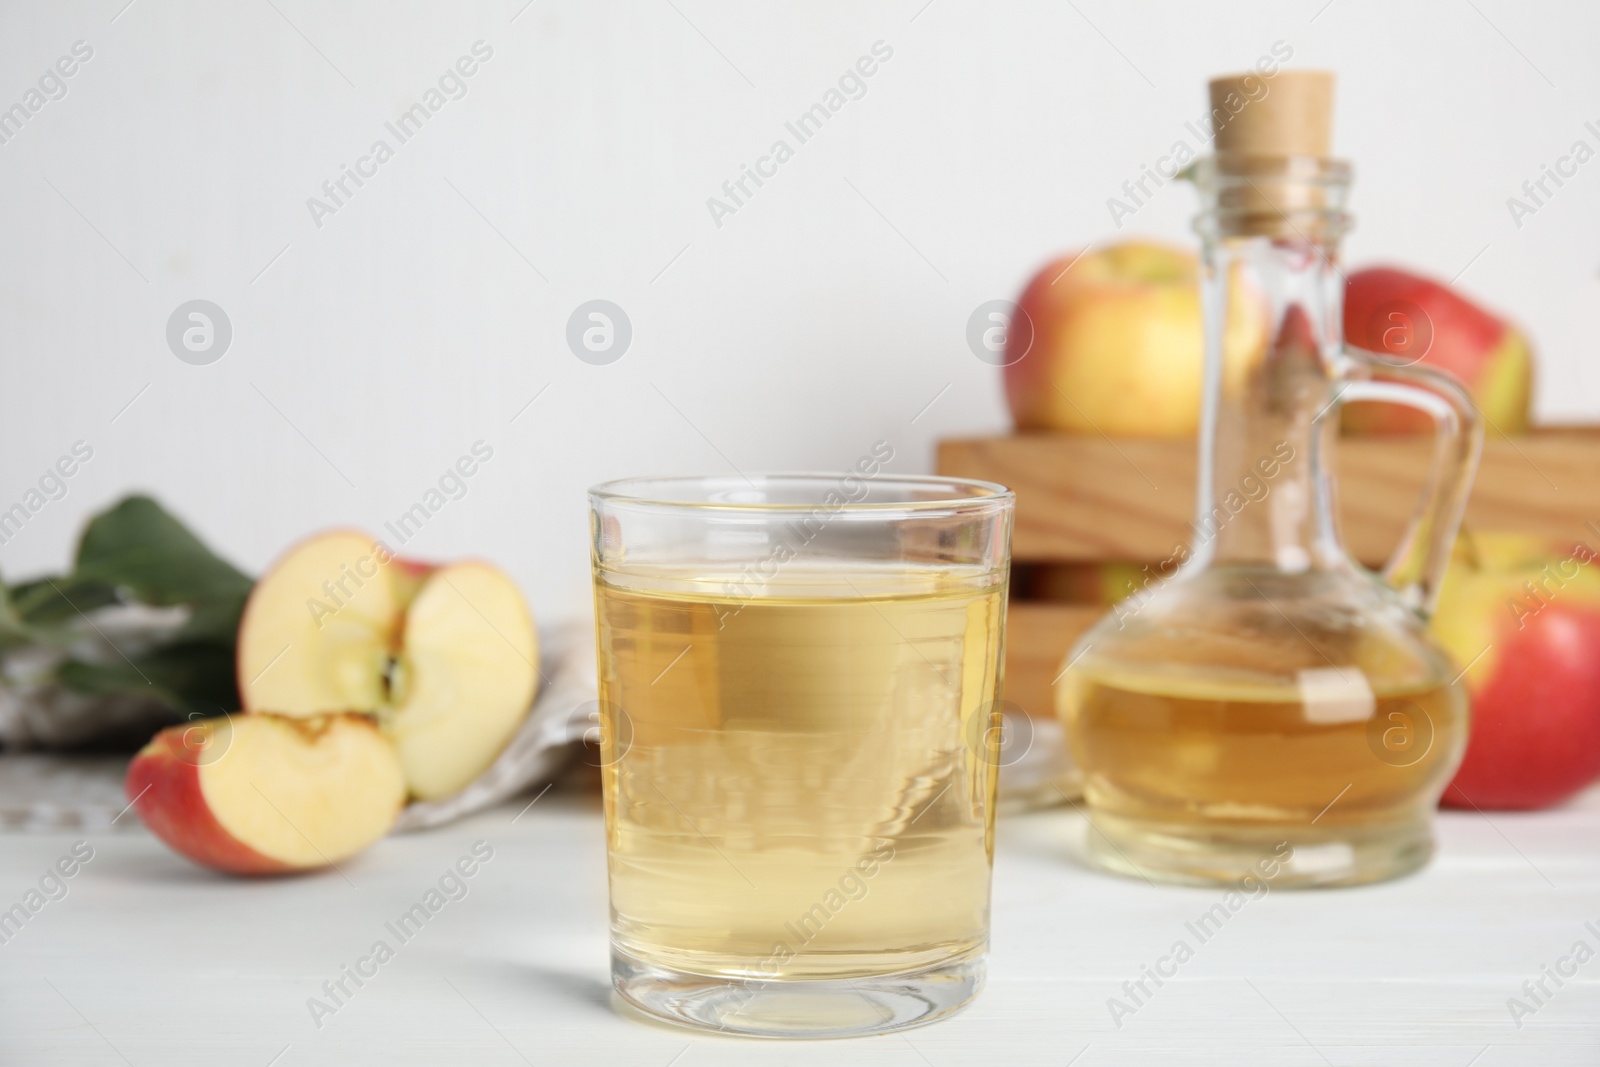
point(464, 679)
point(258, 793)
point(444, 657)
point(319, 627)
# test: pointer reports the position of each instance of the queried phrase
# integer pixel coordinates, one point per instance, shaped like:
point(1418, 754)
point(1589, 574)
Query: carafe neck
point(1273, 305)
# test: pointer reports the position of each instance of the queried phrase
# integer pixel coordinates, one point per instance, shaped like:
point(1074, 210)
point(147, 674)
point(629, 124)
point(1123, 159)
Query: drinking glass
point(799, 680)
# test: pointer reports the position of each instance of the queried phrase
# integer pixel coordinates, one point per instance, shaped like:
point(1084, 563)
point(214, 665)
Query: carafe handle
point(1418, 563)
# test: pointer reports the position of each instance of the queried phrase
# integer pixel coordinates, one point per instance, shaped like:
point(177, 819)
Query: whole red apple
point(1535, 737)
point(1116, 346)
point(1417, 320)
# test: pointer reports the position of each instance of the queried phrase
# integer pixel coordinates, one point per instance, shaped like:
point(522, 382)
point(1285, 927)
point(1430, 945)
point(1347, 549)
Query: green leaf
point(190, 678)
point(137, 552)
point(13, 629)
point(46, 603)
point(138, 547)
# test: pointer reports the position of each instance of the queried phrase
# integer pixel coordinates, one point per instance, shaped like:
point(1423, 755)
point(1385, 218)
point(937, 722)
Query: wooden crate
point(1087, 499)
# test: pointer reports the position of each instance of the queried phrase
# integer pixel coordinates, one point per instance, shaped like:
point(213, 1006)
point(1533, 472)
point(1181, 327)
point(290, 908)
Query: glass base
point(1287, 856)
point(843, 1007)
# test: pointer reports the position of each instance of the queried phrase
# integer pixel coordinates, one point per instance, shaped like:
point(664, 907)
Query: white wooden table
point(149, 960)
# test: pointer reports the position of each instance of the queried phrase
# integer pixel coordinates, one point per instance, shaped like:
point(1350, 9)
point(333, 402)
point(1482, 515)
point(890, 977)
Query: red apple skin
point(414, 568)
point(1489, 356)
point(1535, 737)
point(164, 785)
point(408, 576)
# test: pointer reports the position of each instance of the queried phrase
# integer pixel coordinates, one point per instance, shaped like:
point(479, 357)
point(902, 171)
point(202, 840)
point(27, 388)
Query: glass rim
point(656, 491)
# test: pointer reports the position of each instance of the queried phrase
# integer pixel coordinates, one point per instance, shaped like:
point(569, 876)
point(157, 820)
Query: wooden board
point(1038, 636)
point(1086, 497)
point(1083, 499)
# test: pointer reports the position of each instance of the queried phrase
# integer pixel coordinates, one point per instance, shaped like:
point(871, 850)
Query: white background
point(823, 316)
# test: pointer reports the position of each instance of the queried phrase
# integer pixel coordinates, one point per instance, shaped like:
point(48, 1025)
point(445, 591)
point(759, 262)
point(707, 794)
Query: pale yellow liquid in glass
point(807, 778)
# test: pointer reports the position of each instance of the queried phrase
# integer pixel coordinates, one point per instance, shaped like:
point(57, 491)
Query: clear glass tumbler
point(799, 681)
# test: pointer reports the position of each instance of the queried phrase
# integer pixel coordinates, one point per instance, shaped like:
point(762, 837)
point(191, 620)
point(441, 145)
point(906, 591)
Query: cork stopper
point(1273, 173)
point(1289, 114)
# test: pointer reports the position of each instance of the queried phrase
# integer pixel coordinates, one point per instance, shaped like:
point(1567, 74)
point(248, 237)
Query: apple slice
point(259, 793)
point(466, 678)
point(444, 657)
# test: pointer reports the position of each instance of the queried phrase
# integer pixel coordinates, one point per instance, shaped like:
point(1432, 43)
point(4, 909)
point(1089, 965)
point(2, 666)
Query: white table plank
point(150, 960)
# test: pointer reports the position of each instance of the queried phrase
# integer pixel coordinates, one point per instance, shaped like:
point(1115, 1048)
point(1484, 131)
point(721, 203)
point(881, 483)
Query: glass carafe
point(1266, 705)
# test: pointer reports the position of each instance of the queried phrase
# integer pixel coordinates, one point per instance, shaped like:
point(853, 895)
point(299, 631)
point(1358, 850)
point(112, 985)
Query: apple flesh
point(1526, 616)
point(1418, 320)
point(259, 793)
point(318, 628)
point(1116, 344)
point(444, 657)
point(465, 679)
